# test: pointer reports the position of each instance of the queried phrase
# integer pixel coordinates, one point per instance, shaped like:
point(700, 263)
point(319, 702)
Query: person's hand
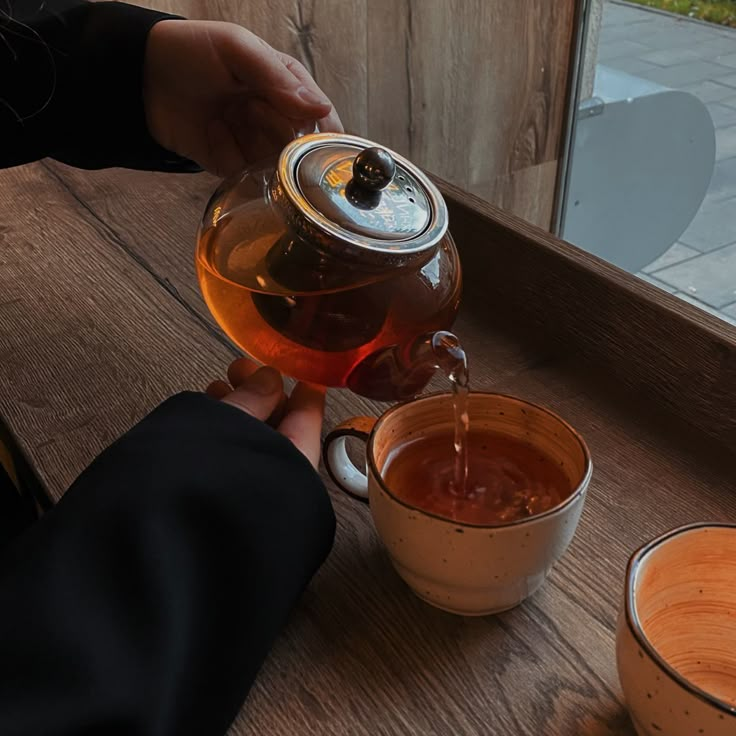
point(218, 95)
point(260, 393)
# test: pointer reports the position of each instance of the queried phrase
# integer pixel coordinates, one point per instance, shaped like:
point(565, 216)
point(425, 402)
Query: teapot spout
point(443, 351)
point(439, 351)
point(400, 373)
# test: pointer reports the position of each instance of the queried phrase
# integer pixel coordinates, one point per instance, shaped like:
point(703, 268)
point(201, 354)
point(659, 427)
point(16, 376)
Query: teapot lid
point(360, 200)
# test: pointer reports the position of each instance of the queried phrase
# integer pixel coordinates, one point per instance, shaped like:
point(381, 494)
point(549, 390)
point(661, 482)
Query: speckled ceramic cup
point(676, 638)
point(463, 568)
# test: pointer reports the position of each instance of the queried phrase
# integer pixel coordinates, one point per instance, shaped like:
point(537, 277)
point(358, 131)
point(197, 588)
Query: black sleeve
point(146, 601)
point(71, 85)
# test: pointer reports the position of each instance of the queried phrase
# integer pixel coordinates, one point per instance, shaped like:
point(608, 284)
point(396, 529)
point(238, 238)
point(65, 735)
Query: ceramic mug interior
point(683, 603)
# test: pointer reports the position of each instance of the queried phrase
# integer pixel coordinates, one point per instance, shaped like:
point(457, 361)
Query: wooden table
point(100, 319)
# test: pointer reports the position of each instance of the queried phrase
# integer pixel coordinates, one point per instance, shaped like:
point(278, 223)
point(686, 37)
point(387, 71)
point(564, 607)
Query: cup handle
point(340, 467)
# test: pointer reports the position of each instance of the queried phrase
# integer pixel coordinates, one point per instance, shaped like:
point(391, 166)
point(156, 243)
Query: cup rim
point(579, 489)
point(634, 624)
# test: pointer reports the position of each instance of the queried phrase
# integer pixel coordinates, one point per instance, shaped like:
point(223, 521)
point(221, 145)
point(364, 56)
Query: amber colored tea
point(316, 318)
point(507, 479)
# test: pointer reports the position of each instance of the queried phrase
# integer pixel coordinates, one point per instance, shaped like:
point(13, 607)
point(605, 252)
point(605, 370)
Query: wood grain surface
point(100, 319)
point(473, 90)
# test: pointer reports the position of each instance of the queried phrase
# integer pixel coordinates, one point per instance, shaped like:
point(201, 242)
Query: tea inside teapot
point(322, 297)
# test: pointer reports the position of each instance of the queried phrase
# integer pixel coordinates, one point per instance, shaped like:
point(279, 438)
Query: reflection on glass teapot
point(334, 265)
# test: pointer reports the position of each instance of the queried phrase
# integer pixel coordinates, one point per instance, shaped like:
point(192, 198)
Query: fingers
point(258, 394)
point(276, 78)
point(303, 421)
point(239, 370)
point(279, 412)
point(218, 390)
point(296, 68)
point(331, 124)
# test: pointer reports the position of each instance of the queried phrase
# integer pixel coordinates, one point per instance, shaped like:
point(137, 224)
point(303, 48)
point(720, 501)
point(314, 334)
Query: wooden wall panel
point(473, 90)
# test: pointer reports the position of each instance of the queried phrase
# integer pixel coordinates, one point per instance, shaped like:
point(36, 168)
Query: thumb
point(276, 78)
point(259, 394)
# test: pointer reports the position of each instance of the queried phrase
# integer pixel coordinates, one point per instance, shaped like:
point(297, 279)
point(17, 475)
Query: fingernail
point(265, 381)
point(312, 98)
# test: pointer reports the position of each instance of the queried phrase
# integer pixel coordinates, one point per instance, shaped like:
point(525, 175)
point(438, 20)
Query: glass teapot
point(334, 265)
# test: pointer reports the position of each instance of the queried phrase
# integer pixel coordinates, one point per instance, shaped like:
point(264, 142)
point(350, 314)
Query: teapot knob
point(373, 169)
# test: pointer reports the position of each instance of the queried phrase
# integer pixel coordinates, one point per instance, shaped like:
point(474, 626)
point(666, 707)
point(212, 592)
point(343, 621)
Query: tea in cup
point(676, 637)
point(486, 547)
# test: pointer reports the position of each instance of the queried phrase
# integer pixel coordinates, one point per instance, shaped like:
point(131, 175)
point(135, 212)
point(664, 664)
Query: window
point(652, 178)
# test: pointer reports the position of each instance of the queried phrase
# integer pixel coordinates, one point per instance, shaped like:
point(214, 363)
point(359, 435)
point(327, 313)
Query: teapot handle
point(340, 467)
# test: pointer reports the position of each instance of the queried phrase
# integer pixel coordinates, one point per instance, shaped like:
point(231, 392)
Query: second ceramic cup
point(464, 568)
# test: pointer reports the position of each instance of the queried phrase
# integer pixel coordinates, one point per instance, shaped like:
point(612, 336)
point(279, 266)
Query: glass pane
point(652, 180)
